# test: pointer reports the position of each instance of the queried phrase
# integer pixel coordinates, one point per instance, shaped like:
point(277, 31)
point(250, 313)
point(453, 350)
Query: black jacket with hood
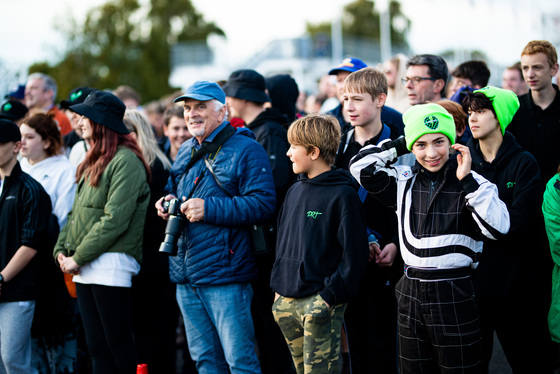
point(537, 131)
point(322, 241)
point(269, 132)
point(513, 257)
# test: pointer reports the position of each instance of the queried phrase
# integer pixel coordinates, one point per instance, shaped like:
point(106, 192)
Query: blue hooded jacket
point(218, 249)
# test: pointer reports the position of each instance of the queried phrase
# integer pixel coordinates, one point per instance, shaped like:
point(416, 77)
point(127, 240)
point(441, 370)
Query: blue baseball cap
point(18, 93)
point(348, 64)
point(203, 91)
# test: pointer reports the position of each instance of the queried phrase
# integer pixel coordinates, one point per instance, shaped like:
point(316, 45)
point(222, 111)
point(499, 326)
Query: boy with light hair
point(371, 345)
point(322, 247)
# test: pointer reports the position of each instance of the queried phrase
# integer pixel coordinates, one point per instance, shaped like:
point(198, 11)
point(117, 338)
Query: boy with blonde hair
point(371, 345)
point(321, 249)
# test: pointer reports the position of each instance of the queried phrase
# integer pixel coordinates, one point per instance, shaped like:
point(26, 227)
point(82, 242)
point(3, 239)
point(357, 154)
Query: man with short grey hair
point(40, 93)
point(426, 79)
point(223, 179)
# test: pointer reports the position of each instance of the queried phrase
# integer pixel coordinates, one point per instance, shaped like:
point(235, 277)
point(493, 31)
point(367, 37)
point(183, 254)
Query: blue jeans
point(15, 337)
point(219, 327)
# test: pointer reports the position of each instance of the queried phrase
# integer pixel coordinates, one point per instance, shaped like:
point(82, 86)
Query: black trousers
point(370, 322)
point(439, 325)
point(107, 324)
point(520, 322)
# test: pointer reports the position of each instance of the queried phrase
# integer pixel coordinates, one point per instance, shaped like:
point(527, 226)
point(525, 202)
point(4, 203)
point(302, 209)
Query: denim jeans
point(219, 327)
point(15, 337)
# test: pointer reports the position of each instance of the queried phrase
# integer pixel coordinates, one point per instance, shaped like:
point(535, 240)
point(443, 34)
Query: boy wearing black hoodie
point(322, 247)
point(511, 295)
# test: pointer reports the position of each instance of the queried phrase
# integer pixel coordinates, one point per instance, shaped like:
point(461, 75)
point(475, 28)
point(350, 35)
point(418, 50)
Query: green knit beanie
point(427, 119)
point(505, 104)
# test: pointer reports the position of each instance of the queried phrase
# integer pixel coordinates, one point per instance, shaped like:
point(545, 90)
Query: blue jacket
point(218, 250)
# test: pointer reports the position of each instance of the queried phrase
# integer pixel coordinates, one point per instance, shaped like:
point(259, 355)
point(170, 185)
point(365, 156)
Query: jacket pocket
point(460, 317)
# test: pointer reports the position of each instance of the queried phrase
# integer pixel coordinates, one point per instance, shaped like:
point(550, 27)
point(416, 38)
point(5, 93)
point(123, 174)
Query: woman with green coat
point(101, 243)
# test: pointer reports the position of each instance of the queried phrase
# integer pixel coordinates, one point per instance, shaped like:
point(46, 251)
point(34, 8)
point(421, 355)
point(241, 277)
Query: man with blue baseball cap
point(224, 180)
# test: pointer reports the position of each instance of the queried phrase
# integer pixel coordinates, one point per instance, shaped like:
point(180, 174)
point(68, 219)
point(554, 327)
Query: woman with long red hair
point(101, 243)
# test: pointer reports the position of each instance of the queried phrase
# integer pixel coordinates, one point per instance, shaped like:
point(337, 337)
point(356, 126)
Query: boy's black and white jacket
point(442, 220)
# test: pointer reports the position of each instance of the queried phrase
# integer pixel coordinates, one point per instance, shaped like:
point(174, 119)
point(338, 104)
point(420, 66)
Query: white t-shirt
point(78, 152)
point(57, 175)
point(110, 269)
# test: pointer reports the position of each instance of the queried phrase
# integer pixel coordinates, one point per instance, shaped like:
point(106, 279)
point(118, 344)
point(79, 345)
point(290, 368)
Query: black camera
point(174, 228)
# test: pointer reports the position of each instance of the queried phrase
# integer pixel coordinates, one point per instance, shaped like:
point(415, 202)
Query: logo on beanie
point(7, 107)
point(431, 122)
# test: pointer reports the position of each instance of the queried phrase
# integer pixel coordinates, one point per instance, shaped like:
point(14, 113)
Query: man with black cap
point(25, 209)
point(223, 179)
point(246, 97)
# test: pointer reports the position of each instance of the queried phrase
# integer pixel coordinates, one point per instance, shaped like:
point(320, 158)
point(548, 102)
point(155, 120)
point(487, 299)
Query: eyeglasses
point(416, 80)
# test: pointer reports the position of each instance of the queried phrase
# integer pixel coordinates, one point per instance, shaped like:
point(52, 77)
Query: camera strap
point(208, 148)
point(211, 147)
point(211, 170)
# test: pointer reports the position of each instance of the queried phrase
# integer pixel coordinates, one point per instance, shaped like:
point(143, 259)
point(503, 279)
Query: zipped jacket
point(218, 249)
point(109, 217)
point(442, 220)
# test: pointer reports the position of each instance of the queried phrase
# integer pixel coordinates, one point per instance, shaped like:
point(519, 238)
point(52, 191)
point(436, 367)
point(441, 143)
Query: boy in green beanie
point(445, 210)
point(507, 281)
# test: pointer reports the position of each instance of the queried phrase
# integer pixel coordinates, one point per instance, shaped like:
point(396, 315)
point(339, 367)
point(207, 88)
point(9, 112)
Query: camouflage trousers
point(312, 332)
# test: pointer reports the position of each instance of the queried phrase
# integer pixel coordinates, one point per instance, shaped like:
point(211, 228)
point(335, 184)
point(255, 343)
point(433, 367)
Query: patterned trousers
point(438, 323)
point(312, 332)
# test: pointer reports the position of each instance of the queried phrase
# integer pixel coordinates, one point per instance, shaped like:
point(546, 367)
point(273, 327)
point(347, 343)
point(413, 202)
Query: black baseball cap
point(13, 110)
point(9, 131)
point(104, 108)
point(246, 84)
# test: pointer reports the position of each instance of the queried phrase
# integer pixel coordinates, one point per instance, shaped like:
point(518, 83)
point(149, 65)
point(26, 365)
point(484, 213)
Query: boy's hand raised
point(464, 160)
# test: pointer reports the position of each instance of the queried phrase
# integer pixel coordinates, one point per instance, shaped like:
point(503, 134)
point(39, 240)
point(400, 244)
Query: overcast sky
point(498, 27)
